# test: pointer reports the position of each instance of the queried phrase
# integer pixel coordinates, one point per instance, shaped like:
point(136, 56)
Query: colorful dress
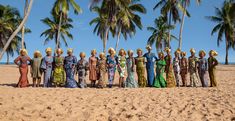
point(69, 66)
point(35, 68)
point(130, 80)
point(170, 79)
point(102, 73)
point(184, 70)
point(193, 61)
point(82, 68)
point(46, 66)
point(112, 63)
point(140, 69)
point(176, 66)
point(122, 66)
point(212, 63)
point(202, 69)
point(159, 81)
point(151, 58)
point(58, 75)
point(93, 68)
point(22, 62)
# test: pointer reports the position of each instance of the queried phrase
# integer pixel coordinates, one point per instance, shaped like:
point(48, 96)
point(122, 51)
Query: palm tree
point(61, 8)
point(160, 33)
point(185, 4)
point(52, 32)
point(225, 19)
point(23, 28)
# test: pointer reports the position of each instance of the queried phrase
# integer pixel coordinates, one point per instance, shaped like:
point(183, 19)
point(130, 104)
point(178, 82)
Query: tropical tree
point(23, 28)
point(160, 33)
point(225, 19)
point(61, 9)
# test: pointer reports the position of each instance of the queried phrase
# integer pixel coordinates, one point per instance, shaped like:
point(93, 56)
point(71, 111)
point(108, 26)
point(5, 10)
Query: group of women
point(60, 71)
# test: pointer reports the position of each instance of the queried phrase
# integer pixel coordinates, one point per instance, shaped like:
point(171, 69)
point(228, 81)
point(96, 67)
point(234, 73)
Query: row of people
point(59, 71)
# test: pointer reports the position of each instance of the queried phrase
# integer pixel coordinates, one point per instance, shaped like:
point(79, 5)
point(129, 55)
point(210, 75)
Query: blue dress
point(112, 63)
point(46, 66)
point(202, 69)
point(69, 65)
point(151, 58)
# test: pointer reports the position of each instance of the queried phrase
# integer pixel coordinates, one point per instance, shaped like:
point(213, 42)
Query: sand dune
point(145, 104)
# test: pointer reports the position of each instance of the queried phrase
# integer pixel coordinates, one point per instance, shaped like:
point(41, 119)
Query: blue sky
point(196, 33)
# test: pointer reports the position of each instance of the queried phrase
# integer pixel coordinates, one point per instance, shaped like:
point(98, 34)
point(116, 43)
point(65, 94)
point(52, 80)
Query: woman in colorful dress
point(184, 68)
point(176, 66)
point(130, 80)
point(159, 81)
point(140, 68)
point(93, 60)
point(202, 68)
point(111, 63)
point(170, 79)
point(193, 63)
point(102, 67)
point(70, 63)
point(82, 68)
point(46, 68)
point(151, 59)
point(212, 63)
point(36, 72)
point(58, 75)
point(121, 66)
point(22, 61)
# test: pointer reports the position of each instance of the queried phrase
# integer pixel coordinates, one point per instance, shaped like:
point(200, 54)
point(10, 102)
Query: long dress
point(140, 69)
point(151, 58)
point(46, 66)
point(212, 63)
point(121, 66)
point(102, 67)
point(130, 80)
point(69, 64)
point(93, 68)
point(82, 68)
point(22, 62)
point(193, 61)
point(59, 75)
point(202, 69)
point(35, 68)
point(176, 66)
point(170, 79)
point(160, 81)
point(112, 63)
point(184, 70)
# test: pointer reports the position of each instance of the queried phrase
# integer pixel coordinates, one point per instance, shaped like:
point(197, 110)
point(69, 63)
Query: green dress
point(59, 75)
point(159, 79)
point(212, 63)
point(140, 69)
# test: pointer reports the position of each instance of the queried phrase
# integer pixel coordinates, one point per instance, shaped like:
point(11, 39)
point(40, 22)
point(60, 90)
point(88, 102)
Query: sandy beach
point(145, 104)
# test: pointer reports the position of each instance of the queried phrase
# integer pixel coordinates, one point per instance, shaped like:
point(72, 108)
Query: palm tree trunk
point(118, 39)
point(23, 28)
point(17, 30)
point(169, 36)
point(58, 34)
point(181, 26)
point(105, 40)
point(226, 56)
point(8, 59)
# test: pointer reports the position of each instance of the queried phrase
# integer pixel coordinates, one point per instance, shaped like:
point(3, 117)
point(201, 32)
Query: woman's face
point(130, 54)
point(49, 53)
point(70, 53)
point(202, 55)
point(121, 52)
point(139, 53)
point(161, 56)
point(23, 53)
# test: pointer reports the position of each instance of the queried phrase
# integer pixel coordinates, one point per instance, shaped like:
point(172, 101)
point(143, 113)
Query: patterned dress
point(202, 69)
point(59, 75)
point(112, 63)
point(193, 61)
point(212, 63)
point(122, 66)
point(151, 58)
point(93, 68)
point(35, 68)
point(102, 73)
point(130, 80)
point(170, 79)
point(22, 62)
point(176, 66)
point(140, 69)
point(46, 66)
point(184, 70)
point(159, 81)
point(69, 66)
point(82, 68)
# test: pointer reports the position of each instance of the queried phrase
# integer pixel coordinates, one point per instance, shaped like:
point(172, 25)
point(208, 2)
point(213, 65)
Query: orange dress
point(93, 68)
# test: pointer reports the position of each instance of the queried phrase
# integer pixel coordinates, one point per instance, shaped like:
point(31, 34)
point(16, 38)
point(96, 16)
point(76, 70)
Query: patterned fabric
point(93, 68)
point(70, 67)
point(102, 73)
point(193, 71)
point(170, 79)
point(130, 80)
point(140, 69)
point(212, 63)
point(151, 58)
point(35, 67)
point(112, 63)
point(160, 82)
point(121, 66)
point(59, 75)
point(176, 66)
point(184, 70)
point(46, 66)
point(82, 68)
point(202, 69)
point(22, 62)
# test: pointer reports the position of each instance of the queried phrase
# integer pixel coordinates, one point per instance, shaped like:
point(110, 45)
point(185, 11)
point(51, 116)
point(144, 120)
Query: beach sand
point(145, 104)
